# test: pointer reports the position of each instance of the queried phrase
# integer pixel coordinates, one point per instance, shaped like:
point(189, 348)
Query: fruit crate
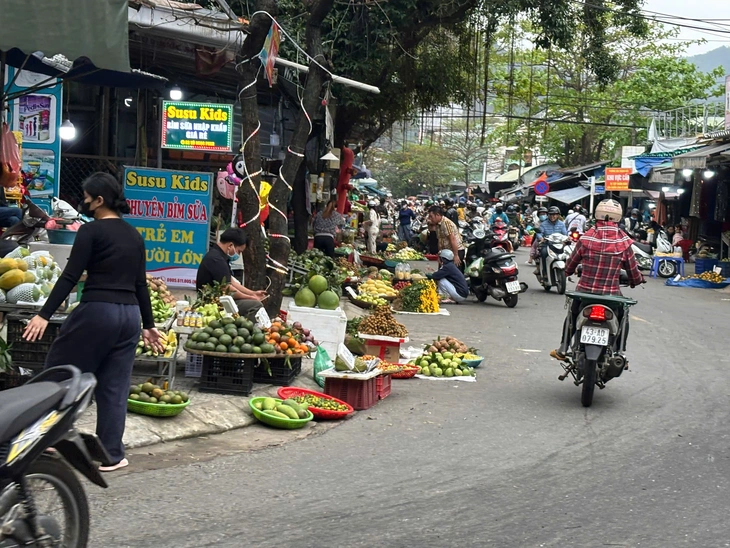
point(359, 394)
point(31, 355)
point(193, 365)
point(281, 373)
point(725, 266)
point(705, 265)
point(383, 384)
point(227, 375)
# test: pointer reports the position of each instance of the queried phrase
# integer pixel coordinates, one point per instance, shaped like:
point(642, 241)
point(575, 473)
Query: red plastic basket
point(407, 373)
point(431, 257)
point(325, 414)
point(383, 385)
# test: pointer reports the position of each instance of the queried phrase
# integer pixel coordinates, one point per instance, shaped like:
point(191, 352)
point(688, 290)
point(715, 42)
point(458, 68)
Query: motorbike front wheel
point(560, 281)
point(511, 300)
point(58, 496)
point(589, 383)
point(667, 269)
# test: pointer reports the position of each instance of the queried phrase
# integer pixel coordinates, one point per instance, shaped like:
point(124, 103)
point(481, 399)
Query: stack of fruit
point(287, 409)
point(408, 254)
point(389, 368)
point(447, 344)
point(382, 323)
point(26, 277)
point(401, 285)
point(442, 364)
point(378, 288)
point(158, 287)
point(319, 402)
point(372, 299)
point(209, 311)
point(169, 341)
point(420, 296)
point(708, 276)
point(230, 336)
point(317, 294)
point(289, 339)
point(152, 393)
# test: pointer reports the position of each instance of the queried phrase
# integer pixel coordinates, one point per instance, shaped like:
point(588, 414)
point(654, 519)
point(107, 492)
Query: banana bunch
point(168, 340)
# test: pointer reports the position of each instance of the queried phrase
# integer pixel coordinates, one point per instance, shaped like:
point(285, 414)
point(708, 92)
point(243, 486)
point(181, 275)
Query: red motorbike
point(500, 235)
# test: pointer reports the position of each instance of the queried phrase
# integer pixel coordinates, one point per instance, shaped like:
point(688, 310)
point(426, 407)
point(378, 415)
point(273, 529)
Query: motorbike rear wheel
point(589, 383)
point(560, 281)
point(511, 300)
point(68, 507)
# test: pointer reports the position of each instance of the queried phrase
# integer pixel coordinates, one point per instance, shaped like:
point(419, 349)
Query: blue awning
point(569, 195)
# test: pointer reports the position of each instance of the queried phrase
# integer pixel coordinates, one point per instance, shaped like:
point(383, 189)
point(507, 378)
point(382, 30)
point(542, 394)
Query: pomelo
point(328, 300)
point(305, 297)
point(318, 284)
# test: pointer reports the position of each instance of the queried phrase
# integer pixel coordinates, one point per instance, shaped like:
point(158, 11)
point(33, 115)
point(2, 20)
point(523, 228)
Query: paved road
point(512, 460)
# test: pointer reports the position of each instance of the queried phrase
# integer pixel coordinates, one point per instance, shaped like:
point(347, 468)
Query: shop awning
point(90, 28)
point(512, 175)
point(569, 195)
point(698, 159)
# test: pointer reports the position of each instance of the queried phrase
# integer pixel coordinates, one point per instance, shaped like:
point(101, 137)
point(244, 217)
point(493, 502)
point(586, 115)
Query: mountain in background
point(706, 62)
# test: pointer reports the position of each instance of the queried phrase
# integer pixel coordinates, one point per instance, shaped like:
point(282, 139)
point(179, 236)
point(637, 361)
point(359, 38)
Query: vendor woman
point(216, 268)
point(101, 334)
point(326, 225)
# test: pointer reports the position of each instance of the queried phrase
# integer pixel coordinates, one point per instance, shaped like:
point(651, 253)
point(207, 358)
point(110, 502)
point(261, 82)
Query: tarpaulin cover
point(695, 282)
point(82, 28)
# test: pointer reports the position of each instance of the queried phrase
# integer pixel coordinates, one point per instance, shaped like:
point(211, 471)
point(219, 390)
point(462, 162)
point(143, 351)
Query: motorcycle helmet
point(373, 203)
point(578, 209)
point(554, 210)
point(542, 210)
point(510, 209)
point(635, 212)
point(499, 206)
point(446, 254)
point(609, 210)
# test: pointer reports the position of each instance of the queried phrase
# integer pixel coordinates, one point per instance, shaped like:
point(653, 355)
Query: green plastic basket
point(277, 422)
point(155, 409)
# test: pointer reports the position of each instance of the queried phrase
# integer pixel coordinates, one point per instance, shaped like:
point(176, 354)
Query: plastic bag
point(9, 159)
point(322, 361)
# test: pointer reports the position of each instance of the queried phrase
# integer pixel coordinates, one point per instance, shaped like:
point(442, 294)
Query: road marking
point(528, 350)
point(637, 319)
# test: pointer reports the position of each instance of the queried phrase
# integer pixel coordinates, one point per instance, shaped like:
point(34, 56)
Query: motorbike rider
point(552, 225)
point(499, 214)
point(632, 223)
point(604, 250)
point(576, 221)
point(514, 216)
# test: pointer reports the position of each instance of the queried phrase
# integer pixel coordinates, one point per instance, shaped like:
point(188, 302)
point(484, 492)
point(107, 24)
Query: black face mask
point(86, 209)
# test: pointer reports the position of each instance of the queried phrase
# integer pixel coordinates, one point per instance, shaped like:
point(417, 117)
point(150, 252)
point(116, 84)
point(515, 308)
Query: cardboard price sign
point(617, 178)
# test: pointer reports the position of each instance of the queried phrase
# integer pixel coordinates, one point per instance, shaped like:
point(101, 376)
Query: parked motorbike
point(37, 416)
point(559, 248)
point(645, 254)
point(598, 341)
point(492, 271)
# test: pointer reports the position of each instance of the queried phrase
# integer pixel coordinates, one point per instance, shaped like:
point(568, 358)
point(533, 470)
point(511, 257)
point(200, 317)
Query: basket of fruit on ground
point(371, 260)
point(367, 301)
point(408, 372)
point(320, 405)
point(286, 414)
point(149, 399)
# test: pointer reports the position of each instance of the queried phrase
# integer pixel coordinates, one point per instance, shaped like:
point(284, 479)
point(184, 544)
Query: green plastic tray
point(155, 409)
point(277, 422)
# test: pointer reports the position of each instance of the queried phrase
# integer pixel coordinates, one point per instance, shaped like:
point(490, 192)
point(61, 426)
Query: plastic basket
point(227, 375)
point(383, 385)
point(277, 422)
point(408, 373)
point(321, 414)
point(31, 355)
point(359, 394)
point(725, 268)
point(476, 362)
point(155, 409)
point(281, 373)
point(62, 236)
point(193, 365)
point(705, 265)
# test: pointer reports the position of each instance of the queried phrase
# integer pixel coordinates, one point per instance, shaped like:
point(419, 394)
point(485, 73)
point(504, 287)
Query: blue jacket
point(549, 228)
point(450, 272)
point(496, 216)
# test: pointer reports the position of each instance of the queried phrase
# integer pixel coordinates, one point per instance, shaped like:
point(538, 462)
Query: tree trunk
point(301, 215)
point(254, 258)
point(281, 191)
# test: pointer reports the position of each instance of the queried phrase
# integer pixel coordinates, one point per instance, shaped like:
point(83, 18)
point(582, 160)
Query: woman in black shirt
point(101, 335)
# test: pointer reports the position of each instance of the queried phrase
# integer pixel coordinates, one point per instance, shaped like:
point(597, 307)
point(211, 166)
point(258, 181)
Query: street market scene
point(364, 273)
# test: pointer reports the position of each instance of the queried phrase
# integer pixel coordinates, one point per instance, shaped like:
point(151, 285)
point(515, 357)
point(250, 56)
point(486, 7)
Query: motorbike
point(513, 235)
point(30, 226)
point(559, 248)
point(465, 231)
point(598, 341)
point(644, 254)
point(42, 501)
point(500, 235)
point(492, 271)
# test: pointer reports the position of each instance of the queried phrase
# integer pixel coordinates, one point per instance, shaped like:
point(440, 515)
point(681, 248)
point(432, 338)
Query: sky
point(697, 9)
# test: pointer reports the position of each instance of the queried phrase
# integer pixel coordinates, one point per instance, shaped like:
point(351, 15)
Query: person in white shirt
point(372, 225)
point(576, 221)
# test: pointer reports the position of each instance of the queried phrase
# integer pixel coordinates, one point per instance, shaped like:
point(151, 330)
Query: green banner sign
point(197, 126)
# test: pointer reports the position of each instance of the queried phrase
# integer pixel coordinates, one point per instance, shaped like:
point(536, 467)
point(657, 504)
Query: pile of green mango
point(287, 409)
point(437, 364)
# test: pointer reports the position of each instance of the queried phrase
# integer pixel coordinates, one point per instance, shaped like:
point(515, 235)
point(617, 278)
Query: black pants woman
point(326, 244)
point(326, 224)
point(101, 335)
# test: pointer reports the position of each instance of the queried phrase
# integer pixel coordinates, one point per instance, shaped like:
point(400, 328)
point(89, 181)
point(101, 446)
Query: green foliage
point(417, 169)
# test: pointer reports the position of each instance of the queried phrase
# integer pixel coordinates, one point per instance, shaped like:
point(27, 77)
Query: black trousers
point(325, 244)
point(101, 338)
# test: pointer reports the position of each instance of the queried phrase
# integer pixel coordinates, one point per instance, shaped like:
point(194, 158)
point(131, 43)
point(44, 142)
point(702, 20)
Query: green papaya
point(275, 413)
point(269, 404)
point(288, 411)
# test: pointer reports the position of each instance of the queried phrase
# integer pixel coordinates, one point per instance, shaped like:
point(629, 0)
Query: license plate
point(513, 287)
point(594, 335)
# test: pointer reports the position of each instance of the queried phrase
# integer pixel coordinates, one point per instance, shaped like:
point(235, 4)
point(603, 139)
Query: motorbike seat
point(646, 248)
point(20, 407)
point(493, 255)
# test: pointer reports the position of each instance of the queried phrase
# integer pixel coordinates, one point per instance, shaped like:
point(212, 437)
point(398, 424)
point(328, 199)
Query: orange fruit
point(283, 346)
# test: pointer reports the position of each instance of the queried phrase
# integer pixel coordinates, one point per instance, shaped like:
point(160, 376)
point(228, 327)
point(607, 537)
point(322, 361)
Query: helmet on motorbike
point(635, 212)
point(578, 208)
point(609, 210)
point(542, 210)
point(554, 210)
point(510, 209)
point(373, 203)
point(446, 254)
point(499, 206)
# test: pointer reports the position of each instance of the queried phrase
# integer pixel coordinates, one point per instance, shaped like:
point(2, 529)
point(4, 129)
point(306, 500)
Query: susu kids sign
point(197, 126)
point(171, 210)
